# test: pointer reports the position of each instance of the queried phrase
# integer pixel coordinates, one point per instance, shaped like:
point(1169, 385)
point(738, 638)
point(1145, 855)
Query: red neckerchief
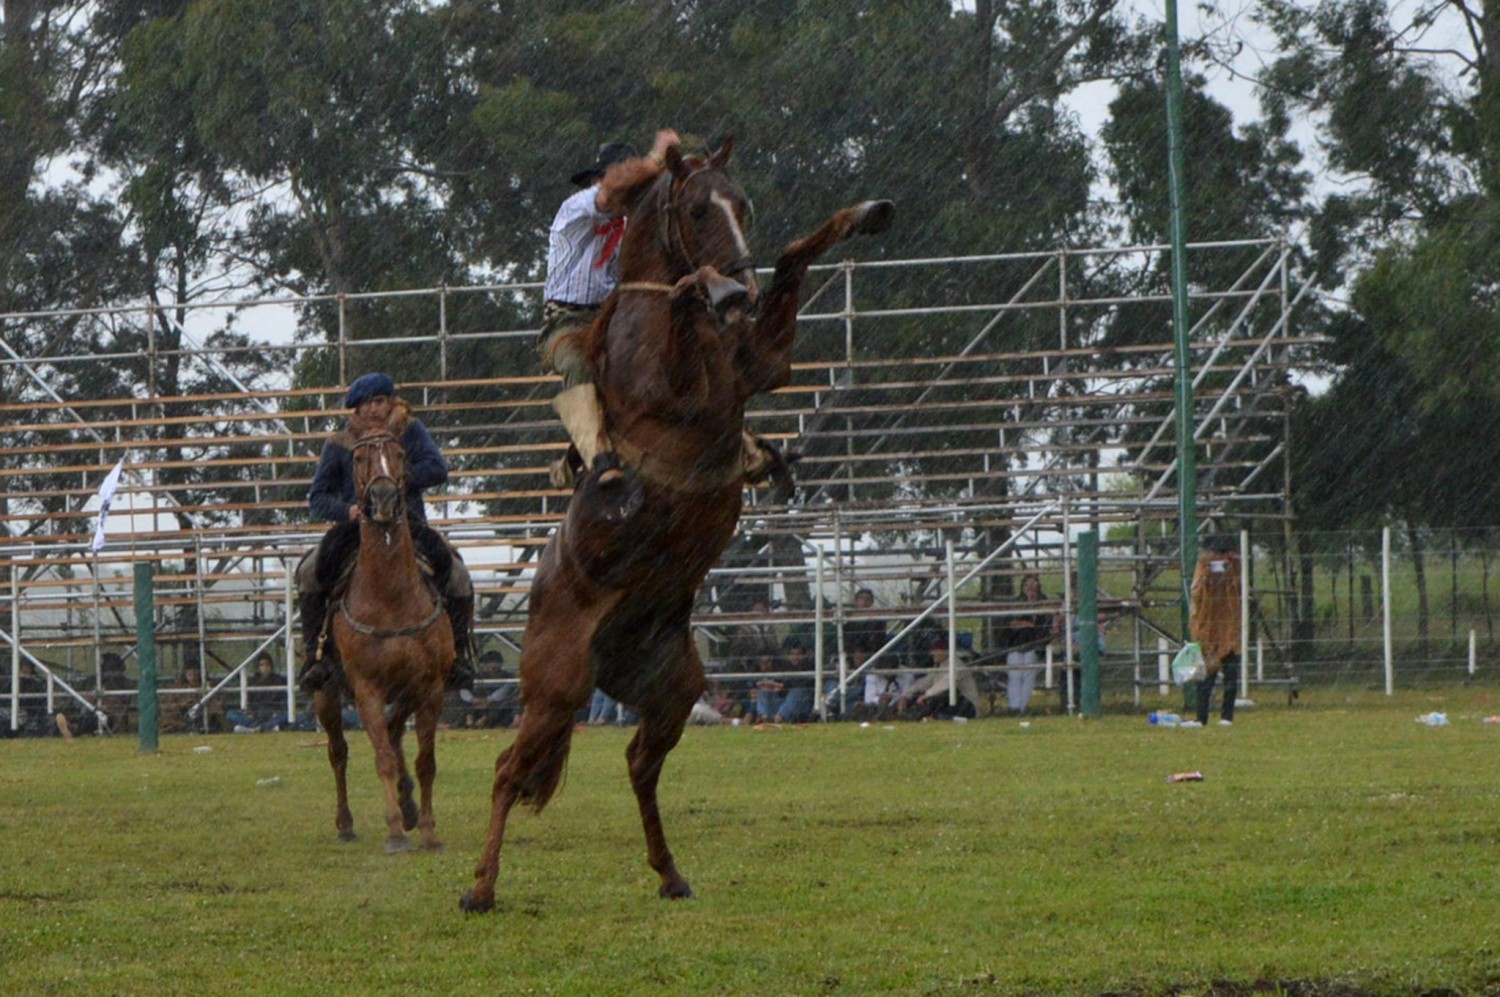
point(613, 231)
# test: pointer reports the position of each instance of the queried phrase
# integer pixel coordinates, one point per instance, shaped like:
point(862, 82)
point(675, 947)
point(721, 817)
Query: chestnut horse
point(395, 642)
point(679, 349)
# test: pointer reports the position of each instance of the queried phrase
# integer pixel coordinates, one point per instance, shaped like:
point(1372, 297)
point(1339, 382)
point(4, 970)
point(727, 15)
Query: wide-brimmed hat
point(366, 387)
point(610, 153)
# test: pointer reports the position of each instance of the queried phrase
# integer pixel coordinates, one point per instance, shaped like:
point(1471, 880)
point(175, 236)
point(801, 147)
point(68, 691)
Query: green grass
point(1338, 842)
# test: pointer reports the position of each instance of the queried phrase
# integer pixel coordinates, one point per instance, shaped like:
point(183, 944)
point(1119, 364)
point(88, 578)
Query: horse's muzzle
point(382, 501)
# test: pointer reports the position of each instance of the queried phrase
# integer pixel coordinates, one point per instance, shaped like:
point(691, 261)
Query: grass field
point(1334, 847)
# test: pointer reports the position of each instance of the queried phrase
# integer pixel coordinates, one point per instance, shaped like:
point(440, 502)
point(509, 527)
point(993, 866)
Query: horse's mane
point(395, 423)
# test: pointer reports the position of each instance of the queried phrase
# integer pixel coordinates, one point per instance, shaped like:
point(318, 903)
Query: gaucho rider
point(371, 399)
point(583, 268)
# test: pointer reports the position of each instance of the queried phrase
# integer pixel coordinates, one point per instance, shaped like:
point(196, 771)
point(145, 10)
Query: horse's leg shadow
point(328, 704)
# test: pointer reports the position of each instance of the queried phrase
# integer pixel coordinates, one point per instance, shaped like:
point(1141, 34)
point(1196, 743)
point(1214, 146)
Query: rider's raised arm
point(425, 466)
point(623, 179)
point(327, 497)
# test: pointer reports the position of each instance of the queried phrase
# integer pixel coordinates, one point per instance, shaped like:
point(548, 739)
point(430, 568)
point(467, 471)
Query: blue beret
point(367, 387)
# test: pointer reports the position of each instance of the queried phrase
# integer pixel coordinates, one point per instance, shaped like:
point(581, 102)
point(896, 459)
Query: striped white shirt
point(574, 246)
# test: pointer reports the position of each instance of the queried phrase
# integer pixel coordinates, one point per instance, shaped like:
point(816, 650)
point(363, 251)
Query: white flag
point(106, 495)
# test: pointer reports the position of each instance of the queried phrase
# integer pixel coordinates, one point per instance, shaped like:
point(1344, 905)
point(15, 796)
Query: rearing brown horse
point(678, 349)
point(395, 642)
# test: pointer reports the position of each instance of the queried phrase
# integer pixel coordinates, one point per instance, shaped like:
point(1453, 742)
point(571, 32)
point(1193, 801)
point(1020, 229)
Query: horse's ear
point(720, 156)
point(675, 163)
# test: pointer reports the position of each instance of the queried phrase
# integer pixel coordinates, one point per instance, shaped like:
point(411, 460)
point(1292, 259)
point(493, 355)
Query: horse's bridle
point(380, 440)
point(670, 231)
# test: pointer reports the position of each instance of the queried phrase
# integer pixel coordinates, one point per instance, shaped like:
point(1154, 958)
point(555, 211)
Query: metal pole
point(1385, 608)
point(145, 653)
point(15, 648)
point(1089, 701)
point(289, 566)
point(1245, 616)
point(1187, 458)
point(818, 636)
point(952, 628)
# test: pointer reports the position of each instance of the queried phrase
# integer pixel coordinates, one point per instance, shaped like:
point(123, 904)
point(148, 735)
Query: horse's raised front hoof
point(409, 814)
point(396, 844)
point(874, 217)
point(679, 890)
point(470, 904)
point(725, 294)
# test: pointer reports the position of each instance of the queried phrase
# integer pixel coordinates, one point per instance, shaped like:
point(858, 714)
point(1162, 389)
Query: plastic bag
point(1188, 665)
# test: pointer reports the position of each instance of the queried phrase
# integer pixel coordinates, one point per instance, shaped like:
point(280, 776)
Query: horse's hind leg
point(327, 702)
point(663, 717)
point(532, 767)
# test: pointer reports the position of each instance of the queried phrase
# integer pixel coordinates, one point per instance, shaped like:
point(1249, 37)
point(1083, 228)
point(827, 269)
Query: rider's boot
point(316, 670)
point(461, 616)
point(763, 462)
point(581, 415)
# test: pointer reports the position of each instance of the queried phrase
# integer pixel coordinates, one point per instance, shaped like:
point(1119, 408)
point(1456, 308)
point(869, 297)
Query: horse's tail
point(538, 774)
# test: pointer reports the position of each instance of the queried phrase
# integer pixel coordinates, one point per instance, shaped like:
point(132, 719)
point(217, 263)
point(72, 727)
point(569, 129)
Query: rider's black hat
point(610, 153)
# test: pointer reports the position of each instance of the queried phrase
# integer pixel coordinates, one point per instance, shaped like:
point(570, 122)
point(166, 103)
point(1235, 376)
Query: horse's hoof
point(676, 891)
point(874, 217)
point(725, 294)
point(470, 905)
point(432, 846)
point(409, 814)
point(348, 836)
point(395, 845)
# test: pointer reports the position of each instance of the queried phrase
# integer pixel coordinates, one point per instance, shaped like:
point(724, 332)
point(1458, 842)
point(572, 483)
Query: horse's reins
point(380, 439)
point(670, 225)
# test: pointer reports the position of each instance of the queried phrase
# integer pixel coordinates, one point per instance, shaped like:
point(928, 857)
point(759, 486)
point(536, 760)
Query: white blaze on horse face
point(385, 467)
point(724, 204)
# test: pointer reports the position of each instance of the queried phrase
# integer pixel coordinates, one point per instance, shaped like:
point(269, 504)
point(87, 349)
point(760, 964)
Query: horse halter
point(395, 476)
point(670, 221)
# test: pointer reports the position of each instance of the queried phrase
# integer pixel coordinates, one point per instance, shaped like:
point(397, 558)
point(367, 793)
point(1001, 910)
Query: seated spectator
point(32, 711)
point(111, 694)
point(1026, 641)
point(792, 701)
point(754, 648)
point(175, 707)
point(500, 706)
point(927, 695)
point(605, 709)
point(767, 690)
point(265, 702)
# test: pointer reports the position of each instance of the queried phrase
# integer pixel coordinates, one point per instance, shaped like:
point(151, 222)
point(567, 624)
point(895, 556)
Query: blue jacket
point(332, 491)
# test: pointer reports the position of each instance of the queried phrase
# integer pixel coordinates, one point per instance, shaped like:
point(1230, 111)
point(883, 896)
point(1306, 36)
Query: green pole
point(1089, 702)
point(145, 653)
point(1187, 456)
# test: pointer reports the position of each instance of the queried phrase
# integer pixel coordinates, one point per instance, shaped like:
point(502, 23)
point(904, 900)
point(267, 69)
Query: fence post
point(1385, 608)
point(145, 653)
point(1089, 702)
